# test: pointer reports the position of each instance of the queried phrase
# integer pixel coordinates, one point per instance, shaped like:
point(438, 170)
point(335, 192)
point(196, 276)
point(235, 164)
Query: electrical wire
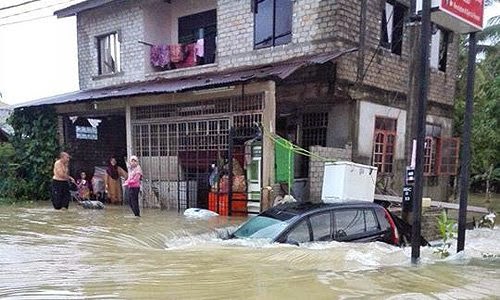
point(18, 5)
point(26, 20)
point(38, 9)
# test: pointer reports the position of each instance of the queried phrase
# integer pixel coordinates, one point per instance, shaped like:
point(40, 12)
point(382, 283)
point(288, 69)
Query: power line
point(37, 9)
point(17, 5)
point(26, 20)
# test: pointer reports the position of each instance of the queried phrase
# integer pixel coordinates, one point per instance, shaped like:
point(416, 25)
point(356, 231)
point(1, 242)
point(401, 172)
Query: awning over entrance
point(276, 71)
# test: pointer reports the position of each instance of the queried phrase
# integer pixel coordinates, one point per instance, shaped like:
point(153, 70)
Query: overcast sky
point(38, 58)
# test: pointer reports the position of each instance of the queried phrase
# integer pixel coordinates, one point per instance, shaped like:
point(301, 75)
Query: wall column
point(128, 128)
point(269, 124)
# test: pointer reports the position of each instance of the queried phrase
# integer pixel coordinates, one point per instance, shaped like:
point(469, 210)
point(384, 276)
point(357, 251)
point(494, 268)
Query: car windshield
point(261, 227)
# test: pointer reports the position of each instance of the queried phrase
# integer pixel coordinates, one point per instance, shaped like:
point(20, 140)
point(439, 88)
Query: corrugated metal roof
point(276, 71)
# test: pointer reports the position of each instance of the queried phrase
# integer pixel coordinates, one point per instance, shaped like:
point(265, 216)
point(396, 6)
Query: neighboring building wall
point(385, 70)
point(317, 167)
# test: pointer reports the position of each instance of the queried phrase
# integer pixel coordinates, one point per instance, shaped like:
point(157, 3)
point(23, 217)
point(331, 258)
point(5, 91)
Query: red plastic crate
point(239, 204)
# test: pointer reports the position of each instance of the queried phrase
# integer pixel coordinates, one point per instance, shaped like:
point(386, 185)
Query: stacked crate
point(219, 203)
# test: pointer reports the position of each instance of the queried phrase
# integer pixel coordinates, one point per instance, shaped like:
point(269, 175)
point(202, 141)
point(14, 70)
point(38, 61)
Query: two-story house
point(182, 84)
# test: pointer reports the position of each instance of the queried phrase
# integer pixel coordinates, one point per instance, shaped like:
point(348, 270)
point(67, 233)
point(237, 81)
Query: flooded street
point(108, 254)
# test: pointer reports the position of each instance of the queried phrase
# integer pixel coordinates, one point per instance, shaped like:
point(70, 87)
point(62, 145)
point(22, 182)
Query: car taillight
point(395, 233)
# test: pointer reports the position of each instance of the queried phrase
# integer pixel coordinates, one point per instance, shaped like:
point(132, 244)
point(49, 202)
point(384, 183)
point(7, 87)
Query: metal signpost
point(461, 16)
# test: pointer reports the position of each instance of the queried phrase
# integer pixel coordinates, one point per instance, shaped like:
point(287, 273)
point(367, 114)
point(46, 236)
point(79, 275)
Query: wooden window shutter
point(449, 153)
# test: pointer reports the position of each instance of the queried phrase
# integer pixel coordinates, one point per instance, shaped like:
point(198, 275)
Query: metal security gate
point(178, 143)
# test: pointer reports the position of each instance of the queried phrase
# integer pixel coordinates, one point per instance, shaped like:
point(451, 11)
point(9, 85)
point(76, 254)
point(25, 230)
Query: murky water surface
point(108, 254)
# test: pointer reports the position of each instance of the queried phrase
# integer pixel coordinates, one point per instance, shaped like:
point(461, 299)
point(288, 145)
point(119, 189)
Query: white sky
point(39, 58)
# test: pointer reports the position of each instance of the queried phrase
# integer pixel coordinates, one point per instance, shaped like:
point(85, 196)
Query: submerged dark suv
point(301, 222)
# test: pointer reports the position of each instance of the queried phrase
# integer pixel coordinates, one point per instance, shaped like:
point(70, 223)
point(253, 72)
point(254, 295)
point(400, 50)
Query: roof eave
point(75, 9)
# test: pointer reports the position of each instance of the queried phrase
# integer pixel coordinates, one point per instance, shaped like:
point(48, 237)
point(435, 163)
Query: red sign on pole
point(469, 11)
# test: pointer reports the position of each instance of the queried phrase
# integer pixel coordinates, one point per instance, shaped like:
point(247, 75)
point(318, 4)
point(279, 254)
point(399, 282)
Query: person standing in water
point(133, 183)
point(60, 182)
point(112, 181)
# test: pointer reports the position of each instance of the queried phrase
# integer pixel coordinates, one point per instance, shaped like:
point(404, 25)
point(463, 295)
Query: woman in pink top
point(133, 183)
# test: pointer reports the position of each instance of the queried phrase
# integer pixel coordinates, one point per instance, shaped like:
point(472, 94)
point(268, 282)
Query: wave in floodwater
point(481, 244)
point(109, 254)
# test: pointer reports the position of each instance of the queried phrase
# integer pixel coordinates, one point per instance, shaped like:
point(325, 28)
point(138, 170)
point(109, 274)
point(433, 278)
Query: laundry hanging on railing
point(175, 56)
point(160, 56)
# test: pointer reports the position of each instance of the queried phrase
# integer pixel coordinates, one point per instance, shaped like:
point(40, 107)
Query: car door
point(321, 226)
point(356, 224)
point(299, 233)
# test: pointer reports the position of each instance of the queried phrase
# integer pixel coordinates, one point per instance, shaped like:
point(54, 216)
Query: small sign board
point(407, 198)
point(462, 16)
point(410, 175)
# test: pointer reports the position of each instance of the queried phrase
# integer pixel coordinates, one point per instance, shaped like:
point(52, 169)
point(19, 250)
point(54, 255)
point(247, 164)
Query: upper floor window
point(272, 23)
point(383, 144)
point(391, 33)
point(200, 29)
point(439, 49)
point(108, 48)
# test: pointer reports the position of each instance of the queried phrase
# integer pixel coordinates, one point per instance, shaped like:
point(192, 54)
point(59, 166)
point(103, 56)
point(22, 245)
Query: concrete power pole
point(413, 29)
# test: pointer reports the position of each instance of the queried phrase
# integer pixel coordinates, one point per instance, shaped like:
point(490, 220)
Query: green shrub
point(27, 175)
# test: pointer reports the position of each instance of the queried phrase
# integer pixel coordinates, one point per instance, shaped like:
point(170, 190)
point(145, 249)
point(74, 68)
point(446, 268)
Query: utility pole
point(413, 28)
point(425, 35)
point(466, 136)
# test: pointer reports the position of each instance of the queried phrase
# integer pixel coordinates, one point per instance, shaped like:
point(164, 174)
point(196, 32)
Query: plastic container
point(345, 180)
point(219, 204)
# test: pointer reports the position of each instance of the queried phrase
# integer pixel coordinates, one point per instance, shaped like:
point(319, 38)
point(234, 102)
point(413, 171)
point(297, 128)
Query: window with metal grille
point(218, 106)
point(384, 143)
point(108, 54)
point(272, 22)
point(314, 129)
point(247, 125)
point(170, 138)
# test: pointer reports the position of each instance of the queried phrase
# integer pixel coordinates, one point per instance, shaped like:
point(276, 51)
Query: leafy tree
point(36, 145)
point(485, 140)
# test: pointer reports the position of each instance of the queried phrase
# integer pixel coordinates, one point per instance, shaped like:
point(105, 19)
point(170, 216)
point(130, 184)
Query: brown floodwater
point(109, 254)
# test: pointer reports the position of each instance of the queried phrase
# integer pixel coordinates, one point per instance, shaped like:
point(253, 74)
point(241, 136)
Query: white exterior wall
point(366, 127)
